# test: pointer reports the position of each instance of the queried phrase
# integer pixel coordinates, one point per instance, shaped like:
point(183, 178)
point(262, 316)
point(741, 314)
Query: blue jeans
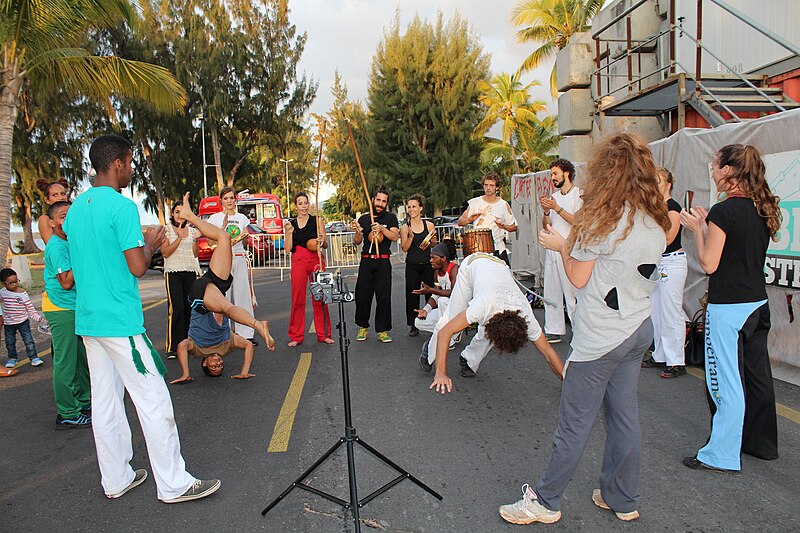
point(24, 329)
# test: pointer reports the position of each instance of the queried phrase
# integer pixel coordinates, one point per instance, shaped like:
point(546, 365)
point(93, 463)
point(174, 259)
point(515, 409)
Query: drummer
point(491, 212)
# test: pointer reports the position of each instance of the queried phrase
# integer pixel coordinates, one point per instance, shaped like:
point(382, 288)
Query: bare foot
point(328, 341)
point(262, 327)
point(186, 209)
point(292, 344)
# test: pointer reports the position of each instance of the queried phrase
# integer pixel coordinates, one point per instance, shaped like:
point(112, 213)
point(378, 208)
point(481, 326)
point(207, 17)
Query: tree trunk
point(9, 107)
point(217, 157)
point(29, 245)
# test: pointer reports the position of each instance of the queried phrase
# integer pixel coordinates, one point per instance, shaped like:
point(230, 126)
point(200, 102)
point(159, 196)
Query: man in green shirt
point(109, 252)
point(70, 370)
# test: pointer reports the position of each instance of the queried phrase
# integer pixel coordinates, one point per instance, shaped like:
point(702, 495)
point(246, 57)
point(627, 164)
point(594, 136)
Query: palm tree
point(508, 101)
point(537, 143)
point(551, 23)
point(43, 46)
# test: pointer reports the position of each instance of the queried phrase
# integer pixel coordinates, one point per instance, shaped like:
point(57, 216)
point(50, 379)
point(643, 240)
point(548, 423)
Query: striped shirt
point(17, 307)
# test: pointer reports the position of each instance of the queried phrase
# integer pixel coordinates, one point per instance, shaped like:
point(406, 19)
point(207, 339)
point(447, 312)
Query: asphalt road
point(476, 446)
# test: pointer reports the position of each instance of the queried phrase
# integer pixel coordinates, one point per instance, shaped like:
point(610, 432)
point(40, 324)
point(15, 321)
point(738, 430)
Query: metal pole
point(699, 51)
point(205, 168)
point(672, 37)
point(628, 53)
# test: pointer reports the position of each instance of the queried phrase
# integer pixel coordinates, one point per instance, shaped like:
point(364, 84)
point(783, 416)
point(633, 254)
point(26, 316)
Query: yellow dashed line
point(782, 410)
point(283, 426)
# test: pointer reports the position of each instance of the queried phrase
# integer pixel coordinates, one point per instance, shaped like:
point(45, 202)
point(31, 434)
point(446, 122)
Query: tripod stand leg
point(402, 471)
point(303, 476)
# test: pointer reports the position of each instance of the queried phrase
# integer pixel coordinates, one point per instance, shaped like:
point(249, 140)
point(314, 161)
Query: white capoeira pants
point(666, 304)
point(429, 324)
point(557, 288)
point(112, 372)
point(239, 294)
point(460, 297)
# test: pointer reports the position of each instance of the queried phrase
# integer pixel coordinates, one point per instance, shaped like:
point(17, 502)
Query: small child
point(17, 310)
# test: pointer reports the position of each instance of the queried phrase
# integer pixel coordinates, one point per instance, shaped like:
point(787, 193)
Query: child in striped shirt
point(17, 312)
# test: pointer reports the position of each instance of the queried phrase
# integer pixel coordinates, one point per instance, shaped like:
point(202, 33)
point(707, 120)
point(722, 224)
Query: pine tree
point(423, 104)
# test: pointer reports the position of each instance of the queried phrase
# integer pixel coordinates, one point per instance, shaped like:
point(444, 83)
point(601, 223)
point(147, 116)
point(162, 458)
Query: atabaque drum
point(478, 240)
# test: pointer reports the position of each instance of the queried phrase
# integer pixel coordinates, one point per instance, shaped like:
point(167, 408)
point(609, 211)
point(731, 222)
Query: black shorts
point(198, 289)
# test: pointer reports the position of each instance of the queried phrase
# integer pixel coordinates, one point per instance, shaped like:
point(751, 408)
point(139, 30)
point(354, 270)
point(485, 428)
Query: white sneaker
point(597, 498)
point(528, 510)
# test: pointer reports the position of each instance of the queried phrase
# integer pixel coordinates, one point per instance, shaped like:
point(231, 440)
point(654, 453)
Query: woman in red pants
point(303, 240)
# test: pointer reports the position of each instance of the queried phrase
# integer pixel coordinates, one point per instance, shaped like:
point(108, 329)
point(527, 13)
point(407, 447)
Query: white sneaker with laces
point(528, 510)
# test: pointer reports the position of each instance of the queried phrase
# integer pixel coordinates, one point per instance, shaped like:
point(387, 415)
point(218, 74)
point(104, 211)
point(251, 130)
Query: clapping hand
point(425, 289)
point(551, 239)
point(421, 314)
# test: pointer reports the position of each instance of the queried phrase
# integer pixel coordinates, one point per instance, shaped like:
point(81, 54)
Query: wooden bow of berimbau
point(374, 238)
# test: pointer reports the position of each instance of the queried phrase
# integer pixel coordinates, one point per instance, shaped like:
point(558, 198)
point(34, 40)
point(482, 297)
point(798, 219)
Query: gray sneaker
point(199, 489)
point(138, 478)
point(528, 510)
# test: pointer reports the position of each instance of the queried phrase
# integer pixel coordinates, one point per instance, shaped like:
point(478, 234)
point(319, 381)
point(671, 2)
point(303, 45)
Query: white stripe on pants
point(666, 305)
point(557, 288)
point(112, 372)
point(460, 297)
point(239, 294)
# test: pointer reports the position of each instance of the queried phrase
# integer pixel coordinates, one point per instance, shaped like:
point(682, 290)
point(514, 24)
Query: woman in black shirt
point(303, 238)
point(418, 261)
point(731, 243)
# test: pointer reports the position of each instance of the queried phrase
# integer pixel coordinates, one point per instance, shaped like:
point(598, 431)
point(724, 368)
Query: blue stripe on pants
point(723, 324)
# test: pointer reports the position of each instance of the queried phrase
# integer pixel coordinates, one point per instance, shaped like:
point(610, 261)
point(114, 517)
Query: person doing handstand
point(209, 330)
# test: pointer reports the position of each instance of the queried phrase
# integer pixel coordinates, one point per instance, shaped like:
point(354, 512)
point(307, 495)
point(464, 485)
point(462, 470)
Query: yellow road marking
point(154, 305)
point(782, 410)
point(283, 426)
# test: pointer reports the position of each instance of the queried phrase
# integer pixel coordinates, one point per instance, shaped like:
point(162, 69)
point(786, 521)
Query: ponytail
point(750, 177)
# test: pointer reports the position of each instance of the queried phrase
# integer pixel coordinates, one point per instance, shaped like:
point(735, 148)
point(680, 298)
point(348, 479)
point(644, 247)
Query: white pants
point(239, 294)
point(666, 304)
point(429, 324)
point(460, 297)
point(557, 288)
point(112, 371)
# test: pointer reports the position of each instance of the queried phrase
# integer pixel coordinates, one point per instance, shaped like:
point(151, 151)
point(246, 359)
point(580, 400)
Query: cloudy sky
point(344, 34)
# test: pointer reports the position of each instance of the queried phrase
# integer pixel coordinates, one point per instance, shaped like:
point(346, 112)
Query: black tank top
point(303, 235)
point(417, 255)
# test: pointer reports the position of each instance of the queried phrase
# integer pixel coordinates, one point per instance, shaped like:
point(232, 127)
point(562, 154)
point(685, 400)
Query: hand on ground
point(442, 383)
point(243, 376)
point(182, 379)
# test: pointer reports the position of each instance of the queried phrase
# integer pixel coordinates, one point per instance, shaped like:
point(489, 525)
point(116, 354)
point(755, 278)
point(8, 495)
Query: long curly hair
point(621, 173)
point(749, 176)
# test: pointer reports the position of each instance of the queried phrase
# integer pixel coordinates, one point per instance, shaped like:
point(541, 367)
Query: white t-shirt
point(616, 299)
point(236, 225)
point(570, 203)
point(499, 210)
point(494, 291)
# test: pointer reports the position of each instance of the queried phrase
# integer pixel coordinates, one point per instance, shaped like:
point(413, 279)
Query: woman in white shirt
point(181, 268)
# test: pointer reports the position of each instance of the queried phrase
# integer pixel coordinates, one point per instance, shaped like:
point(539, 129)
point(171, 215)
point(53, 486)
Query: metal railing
point(672, 29)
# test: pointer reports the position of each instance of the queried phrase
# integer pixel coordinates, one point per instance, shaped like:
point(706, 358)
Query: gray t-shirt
point(616, 300)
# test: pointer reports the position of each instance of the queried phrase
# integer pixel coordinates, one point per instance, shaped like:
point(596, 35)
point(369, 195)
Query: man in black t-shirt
point(375, 269)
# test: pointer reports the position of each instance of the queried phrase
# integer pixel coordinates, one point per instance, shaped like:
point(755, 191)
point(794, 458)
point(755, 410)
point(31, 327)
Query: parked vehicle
point(263, 210)
point(336, 227)
point(259, 243)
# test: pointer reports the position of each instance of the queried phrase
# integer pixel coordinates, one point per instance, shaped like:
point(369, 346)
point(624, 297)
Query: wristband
point(427, 308)
point(559, 210)
point(547, 214)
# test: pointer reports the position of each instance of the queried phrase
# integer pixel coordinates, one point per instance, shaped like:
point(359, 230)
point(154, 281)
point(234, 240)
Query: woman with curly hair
point(731, 242)
point(611, 256)
point(55, 191)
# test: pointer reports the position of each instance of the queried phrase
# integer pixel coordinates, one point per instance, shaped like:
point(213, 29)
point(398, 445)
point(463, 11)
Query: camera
point(329, 288)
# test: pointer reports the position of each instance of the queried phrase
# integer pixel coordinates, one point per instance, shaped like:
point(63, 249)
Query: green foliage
point(551, 23)
point(340, 163)
point(423, 104)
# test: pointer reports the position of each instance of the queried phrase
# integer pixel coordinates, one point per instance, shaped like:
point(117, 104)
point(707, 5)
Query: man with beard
point(559, 212)
point(375, 269)
point(492, 212)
